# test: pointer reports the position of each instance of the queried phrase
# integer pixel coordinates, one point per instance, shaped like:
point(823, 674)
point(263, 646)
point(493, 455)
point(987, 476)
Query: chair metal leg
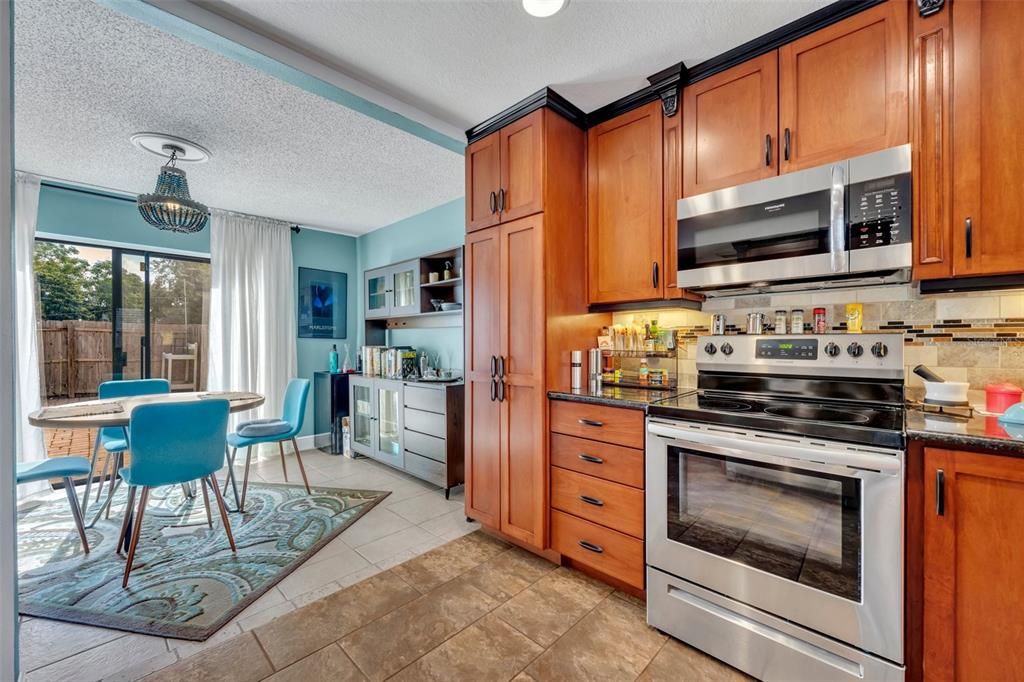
point(115, 483)
point(284, 467)
point(76, 511)
point(206, 503)
point(245, 478)
point(92, 472)
point(302, 469)
point(223, 512)
point(135, 536)
point(126, 524)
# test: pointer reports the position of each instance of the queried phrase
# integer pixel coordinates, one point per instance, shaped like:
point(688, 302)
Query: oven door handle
point(839, 258)
point(769, 452)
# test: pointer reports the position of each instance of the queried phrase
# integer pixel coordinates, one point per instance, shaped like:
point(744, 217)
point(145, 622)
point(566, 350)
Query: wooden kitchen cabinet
point(843, 90)
point(973, 561)
point(625, 227)
point(988, 139)
point(730, 127)
point(505, 173)
point(525, 309)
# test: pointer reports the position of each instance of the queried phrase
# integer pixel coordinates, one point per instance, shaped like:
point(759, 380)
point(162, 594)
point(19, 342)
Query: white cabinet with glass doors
point(392, 291)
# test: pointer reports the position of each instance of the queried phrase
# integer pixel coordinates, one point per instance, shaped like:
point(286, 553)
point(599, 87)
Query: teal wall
point(440, 228)
point(327, 251)
point(94, 218)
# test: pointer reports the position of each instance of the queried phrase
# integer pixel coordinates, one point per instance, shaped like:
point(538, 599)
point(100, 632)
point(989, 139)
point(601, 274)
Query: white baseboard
point(305, 442)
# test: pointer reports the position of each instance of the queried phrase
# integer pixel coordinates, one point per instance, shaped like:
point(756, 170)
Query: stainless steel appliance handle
point(839, 258)
point(762, 451)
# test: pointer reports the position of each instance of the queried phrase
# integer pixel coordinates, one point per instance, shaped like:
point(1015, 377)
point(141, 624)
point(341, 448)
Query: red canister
point(999, 397)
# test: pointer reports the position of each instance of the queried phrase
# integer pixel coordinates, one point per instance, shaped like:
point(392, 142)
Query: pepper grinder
point(576, 362)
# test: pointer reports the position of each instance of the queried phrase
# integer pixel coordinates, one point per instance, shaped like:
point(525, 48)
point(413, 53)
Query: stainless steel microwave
point(840, 224)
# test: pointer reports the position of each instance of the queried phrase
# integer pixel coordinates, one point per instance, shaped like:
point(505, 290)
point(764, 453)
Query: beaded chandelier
point(170, 206)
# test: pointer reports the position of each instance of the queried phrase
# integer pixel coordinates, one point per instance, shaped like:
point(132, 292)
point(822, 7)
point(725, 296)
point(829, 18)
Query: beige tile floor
point(473, 609)
point(412, 520)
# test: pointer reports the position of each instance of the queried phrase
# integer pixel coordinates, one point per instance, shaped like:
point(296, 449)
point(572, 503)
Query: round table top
point(243, 401)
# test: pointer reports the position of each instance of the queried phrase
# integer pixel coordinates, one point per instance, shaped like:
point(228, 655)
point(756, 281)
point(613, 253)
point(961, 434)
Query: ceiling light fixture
point(170, 206)
point(544, 8)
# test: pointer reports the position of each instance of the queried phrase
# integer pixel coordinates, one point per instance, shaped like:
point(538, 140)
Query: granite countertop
point(619, 396)
point(979, 431)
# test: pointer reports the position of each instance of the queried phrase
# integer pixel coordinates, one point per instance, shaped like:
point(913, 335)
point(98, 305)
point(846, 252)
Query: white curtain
point(29, 440)
point(252, 308)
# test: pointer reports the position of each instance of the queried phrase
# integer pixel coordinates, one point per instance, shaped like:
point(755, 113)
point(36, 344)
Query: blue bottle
point(333, 358)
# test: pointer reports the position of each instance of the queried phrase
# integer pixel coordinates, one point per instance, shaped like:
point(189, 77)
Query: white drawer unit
point(415, 427)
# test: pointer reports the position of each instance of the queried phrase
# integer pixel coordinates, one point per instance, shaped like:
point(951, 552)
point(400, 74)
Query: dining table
point(116, 413)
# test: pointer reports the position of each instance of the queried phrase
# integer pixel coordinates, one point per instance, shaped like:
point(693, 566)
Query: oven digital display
point(788, 349)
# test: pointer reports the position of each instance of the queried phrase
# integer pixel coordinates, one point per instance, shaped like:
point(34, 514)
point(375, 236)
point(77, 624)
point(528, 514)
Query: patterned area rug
point(186, 583)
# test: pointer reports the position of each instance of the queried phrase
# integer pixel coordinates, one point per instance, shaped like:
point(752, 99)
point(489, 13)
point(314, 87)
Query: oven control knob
point(855, 349)
point(727, 348)
point(710, 349)
point(831, 349)
point(879, 350)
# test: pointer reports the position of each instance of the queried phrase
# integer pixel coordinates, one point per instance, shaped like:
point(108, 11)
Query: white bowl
point(946, 391)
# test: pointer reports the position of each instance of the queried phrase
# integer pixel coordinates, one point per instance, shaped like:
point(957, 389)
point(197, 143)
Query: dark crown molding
point(545, 97)
point(668, 83)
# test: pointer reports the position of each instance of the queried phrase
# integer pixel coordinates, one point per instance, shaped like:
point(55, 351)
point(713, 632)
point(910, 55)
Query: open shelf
point(442, 283)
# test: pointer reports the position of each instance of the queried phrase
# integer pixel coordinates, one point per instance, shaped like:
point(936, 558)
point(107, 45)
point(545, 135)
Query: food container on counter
point(999, 397)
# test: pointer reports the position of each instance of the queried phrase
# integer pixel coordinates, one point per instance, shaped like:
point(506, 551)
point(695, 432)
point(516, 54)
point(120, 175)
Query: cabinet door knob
point(494, 366)
point(501, 200)
point(494, 389)
point(768, 150)
point(501, 366)
point(494, 203)
point(654, 274)
point(968, 237)
point(940, 492)
point(785, 145)
point(501, 390)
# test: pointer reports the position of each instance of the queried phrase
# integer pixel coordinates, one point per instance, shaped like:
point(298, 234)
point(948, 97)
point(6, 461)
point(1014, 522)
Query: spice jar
point(780, 321)
point(820, 321)
point(796, 321)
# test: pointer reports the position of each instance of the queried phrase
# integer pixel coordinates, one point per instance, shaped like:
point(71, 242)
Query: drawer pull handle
point(591, 547)
point(590, 422)
point(591, 459)
point(592, 500)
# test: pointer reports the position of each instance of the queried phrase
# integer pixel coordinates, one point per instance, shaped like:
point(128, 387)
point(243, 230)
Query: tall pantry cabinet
point(525, 309)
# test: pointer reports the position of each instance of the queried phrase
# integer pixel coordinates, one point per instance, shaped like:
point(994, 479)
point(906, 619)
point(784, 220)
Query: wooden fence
point(77, 355)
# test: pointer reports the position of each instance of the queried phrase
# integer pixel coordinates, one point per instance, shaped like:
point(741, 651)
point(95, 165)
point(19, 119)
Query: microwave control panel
point(879, 212)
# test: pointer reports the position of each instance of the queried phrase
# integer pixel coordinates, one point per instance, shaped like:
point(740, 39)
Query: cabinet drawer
point(598, 422)
point(609, 551)
point(425, 422)
point(427, 469)
point(611, 504)
point(429, 399)
point(425, 445)
point(604, 460)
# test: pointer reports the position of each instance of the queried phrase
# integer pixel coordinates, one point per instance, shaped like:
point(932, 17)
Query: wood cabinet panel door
point(483, 180)
point(483, 442)
point(625, 230)
point(730, 127)
point(843, 89)
point(522, 167)
point(523, 432)
point(988, 140)
point(973, 560)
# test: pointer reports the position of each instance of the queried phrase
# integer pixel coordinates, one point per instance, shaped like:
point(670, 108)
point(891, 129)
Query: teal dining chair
point(173, 444)
point(114, 439)
point(287, 428)
point(58, 467)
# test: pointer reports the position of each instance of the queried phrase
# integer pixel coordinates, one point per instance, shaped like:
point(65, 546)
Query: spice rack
point(625, 368)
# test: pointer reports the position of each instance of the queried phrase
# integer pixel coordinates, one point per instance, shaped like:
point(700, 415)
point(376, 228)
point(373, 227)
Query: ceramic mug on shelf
point(434, 277)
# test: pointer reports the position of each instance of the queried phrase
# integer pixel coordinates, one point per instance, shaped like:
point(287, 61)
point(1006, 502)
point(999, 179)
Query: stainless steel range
point(775, 507)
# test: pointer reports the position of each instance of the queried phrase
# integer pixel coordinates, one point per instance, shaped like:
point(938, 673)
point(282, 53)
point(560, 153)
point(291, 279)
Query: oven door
point(808, 531)
point(788, 227)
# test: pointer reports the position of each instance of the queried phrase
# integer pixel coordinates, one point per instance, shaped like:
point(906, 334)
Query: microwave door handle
point(764, 451)
point(839, 258)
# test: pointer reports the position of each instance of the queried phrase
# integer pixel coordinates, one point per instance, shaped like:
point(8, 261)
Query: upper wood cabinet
point(973, 511)
point(730, 127)
point(505, 173)
point(988, 139)
point(625, 228)
point(843, 89)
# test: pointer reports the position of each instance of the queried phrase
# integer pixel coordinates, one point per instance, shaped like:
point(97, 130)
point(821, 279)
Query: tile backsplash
point(976, 337)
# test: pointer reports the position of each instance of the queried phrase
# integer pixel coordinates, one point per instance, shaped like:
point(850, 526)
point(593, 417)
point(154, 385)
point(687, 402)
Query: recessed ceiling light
point(543, 8)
